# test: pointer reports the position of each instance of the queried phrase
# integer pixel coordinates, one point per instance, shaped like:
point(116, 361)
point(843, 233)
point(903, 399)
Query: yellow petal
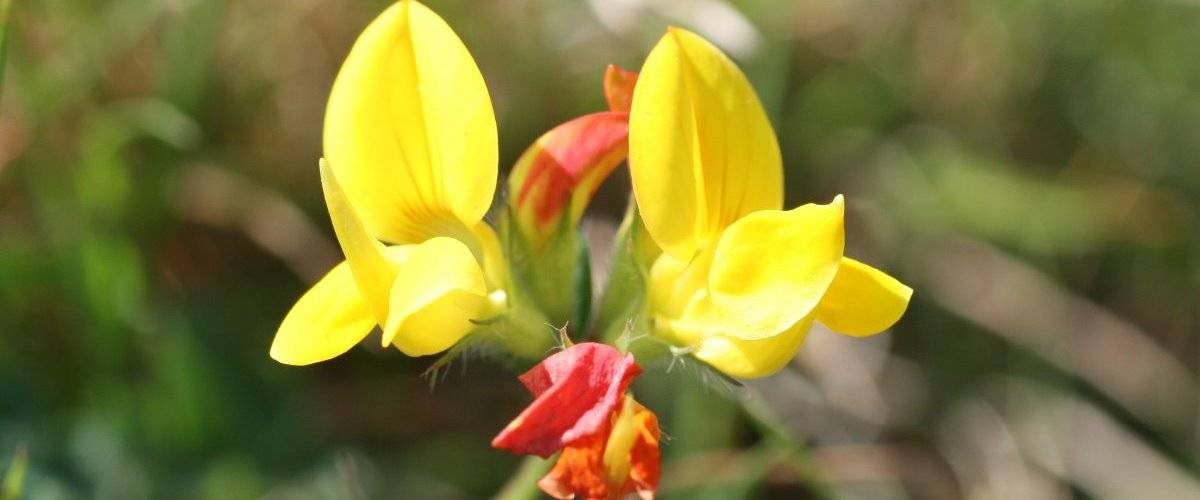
point(674, 284)
point(409, 127)
point(665, 275)
point(770, 270)
point(439, 289)
point(862, 300)
point(372, 272)
point(752, 358)
point(441, 323)
point(328, 320)
point(621, 437)
point(701, 151)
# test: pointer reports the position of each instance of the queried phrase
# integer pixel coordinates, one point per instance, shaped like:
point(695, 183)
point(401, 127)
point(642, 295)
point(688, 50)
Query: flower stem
point(523, 483)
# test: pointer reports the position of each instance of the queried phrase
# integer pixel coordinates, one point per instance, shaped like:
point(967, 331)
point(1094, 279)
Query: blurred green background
point(1031, 168)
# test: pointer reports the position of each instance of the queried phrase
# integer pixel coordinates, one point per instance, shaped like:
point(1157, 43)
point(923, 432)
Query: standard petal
point(770, 270)
point(862, 300)
point(701, 151)
point(752, 358)
point(618, 87)
point(439, 289)
point(364, 254)
point(561, 171)
point(327, 321)
point(409, 128)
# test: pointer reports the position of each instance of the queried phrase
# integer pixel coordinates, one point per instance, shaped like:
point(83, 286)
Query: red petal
point(577, 390)
point(618, 87)
point(579, 471)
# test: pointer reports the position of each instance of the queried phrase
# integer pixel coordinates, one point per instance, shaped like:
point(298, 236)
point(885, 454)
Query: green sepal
point(554, 275)
point(623, 319)
point(582, 277)
point(519, 338)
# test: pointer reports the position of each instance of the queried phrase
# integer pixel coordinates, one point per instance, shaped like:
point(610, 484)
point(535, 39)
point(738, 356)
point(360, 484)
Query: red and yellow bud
point(557, 176)
point(559, 173)
point(609, 442)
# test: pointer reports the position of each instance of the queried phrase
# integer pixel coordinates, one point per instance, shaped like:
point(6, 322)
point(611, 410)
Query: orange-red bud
point(564, 167)
point(561, 171)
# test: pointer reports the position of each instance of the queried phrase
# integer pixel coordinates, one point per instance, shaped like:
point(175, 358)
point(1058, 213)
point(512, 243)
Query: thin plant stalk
point(523, 483)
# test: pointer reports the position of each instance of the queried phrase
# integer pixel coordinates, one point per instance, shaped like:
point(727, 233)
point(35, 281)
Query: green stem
point(523, 483)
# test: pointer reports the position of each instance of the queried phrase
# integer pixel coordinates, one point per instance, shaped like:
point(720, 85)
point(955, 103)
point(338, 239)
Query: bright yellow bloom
point(411, 149)
point(739, 281)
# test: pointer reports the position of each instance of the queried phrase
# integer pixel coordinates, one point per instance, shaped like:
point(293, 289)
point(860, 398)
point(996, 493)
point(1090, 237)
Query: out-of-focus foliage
point(1031, 168)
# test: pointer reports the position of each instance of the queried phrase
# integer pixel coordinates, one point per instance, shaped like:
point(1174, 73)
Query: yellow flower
point(411, 149)
point(739, 280)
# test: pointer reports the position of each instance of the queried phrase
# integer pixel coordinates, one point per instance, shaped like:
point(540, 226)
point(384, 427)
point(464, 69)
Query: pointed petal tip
point(838, 202)
point(683, 36)
point(863, 301)
point(282, 358)
point(277, 355)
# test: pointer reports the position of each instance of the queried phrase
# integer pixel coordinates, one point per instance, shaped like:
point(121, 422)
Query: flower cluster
point(708, 264)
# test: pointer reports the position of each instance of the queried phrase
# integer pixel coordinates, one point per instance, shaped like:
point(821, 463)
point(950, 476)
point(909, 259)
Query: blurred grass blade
point(4, 12)
point(14, 477)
